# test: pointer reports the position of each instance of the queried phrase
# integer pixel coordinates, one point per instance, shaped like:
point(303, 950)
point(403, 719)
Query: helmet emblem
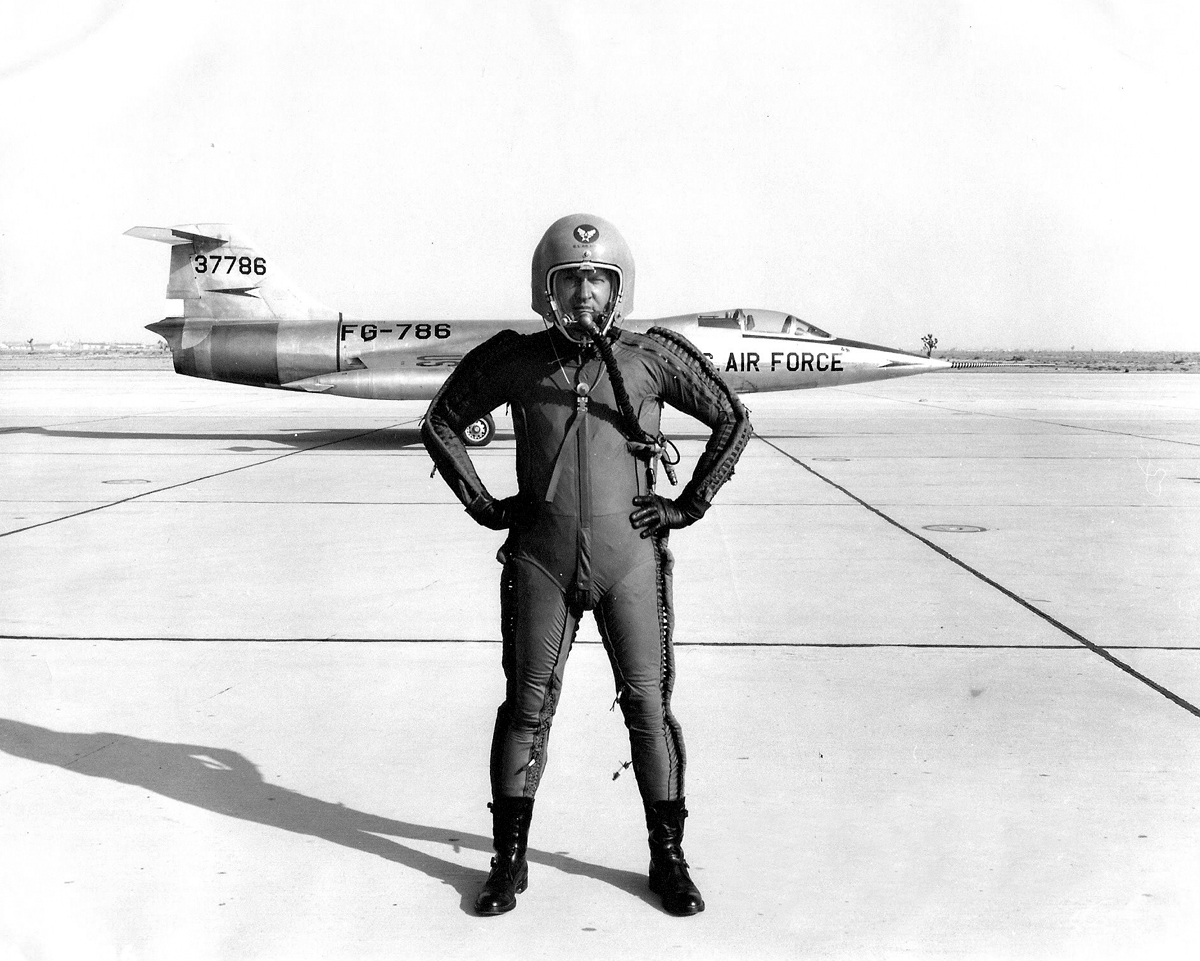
point(586, 233)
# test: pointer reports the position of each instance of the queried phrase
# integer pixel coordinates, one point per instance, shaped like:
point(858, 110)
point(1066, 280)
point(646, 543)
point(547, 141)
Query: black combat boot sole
point(686, 912)
point(489, 911)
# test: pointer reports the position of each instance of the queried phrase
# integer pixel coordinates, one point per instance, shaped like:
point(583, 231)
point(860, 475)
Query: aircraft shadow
point(224, 782)
point(390, 438)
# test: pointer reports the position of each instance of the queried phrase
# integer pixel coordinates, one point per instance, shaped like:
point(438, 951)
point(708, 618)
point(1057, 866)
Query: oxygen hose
point(641, 441)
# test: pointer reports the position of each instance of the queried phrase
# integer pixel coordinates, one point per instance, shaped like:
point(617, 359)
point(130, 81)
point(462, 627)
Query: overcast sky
point(999, 174)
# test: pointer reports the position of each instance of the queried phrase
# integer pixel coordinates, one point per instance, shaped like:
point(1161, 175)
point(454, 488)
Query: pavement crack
point(83, 757)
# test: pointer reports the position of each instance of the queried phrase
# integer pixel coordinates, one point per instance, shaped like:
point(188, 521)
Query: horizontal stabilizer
point(172, 235)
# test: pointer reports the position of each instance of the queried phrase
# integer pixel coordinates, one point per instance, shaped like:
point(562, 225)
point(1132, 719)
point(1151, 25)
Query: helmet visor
point(583, 294)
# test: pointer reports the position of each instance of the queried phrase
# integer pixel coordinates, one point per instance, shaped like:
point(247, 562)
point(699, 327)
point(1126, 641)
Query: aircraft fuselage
point(757, 350)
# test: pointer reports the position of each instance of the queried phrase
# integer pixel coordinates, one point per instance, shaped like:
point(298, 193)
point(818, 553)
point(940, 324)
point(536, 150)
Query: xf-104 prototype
point(245, 323)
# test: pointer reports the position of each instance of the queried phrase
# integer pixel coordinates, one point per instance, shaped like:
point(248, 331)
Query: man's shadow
point(355, 439)
point(226, 783)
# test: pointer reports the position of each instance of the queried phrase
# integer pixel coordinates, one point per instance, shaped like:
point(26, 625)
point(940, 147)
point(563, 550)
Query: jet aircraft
point(243, 322)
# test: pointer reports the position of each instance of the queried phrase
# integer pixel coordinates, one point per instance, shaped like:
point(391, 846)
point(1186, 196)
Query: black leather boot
point(510, 872)
point(668, 870)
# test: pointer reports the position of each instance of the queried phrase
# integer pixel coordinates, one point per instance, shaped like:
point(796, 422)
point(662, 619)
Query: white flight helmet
point(582, 240)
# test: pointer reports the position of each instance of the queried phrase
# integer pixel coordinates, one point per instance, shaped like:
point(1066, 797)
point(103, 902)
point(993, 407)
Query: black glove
point(656, 514)
point(498, 515)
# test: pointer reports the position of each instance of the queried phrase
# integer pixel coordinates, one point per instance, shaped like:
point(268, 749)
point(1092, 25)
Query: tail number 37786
point(244, 265)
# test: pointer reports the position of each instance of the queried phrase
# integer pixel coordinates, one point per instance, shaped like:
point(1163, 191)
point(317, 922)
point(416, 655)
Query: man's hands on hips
point(656, 514)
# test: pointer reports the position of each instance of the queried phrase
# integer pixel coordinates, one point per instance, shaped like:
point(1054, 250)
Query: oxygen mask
point(585, 318)
point(576, 325)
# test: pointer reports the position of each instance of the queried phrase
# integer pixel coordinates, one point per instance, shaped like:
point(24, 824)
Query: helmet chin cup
point(580, 325)
point(587, 320)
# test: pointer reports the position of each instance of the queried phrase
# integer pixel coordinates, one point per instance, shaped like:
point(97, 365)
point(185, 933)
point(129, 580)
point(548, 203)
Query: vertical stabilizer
point(220, 276)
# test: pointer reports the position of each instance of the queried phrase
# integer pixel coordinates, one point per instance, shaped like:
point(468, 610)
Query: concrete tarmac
point(938, 673)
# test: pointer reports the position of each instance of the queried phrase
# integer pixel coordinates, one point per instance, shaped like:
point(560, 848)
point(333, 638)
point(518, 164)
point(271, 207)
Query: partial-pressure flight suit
point(571, 546)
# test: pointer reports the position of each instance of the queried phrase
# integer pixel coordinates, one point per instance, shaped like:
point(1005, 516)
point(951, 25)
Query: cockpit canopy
point(763, 322)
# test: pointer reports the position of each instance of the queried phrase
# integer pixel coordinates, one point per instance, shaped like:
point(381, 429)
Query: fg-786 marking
point(420, 331)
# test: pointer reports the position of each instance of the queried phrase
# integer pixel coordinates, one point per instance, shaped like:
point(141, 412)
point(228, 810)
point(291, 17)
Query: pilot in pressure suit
point(586, 530)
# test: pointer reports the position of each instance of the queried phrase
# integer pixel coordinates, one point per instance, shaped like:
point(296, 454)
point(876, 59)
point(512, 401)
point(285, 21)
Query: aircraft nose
point(866, 362)
point(914, 362)
point(892, 357)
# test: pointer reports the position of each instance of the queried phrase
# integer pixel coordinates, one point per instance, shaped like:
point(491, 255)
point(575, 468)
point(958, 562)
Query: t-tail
point(220, 276)
point(243, 321)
